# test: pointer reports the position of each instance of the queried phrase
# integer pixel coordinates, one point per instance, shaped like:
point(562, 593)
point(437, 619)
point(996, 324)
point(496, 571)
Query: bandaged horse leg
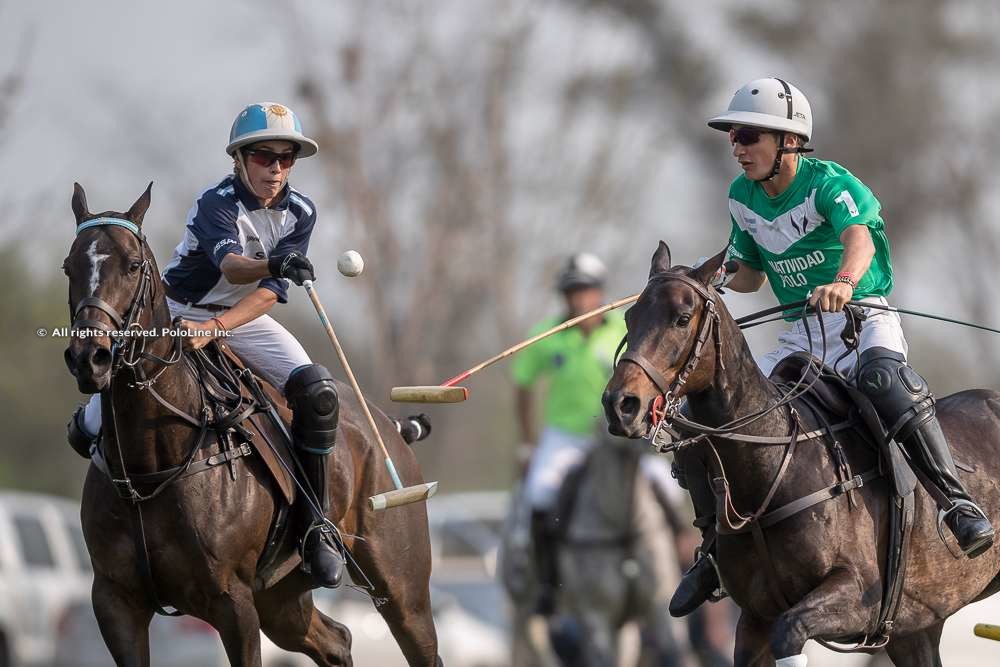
point(905, 403)
point(312, 395)
point(84, 428)
point(701, 581)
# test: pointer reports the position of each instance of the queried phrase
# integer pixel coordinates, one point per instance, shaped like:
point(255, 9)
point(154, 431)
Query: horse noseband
point(667, 404)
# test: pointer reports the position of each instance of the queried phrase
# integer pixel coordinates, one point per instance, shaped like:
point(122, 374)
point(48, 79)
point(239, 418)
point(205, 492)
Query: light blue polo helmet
point(268, 121)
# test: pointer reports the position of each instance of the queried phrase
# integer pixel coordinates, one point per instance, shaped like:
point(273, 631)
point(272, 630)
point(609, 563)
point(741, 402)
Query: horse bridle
point(122, 349)
point(667, 404)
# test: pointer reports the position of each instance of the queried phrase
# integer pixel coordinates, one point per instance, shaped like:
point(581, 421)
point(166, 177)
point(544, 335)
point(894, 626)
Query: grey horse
point(618, 568)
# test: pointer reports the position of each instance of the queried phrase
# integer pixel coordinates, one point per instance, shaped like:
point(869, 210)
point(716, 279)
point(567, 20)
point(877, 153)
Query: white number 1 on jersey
point(847, 200)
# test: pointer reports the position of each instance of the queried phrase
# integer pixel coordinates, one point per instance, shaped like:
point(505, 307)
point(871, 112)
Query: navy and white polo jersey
point(227, 218)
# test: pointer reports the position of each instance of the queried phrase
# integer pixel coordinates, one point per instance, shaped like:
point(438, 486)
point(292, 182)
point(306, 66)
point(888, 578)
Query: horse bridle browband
point(667, 403)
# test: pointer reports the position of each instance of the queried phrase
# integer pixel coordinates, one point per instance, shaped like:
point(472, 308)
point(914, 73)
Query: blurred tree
point(35, 386)
point(470, 156)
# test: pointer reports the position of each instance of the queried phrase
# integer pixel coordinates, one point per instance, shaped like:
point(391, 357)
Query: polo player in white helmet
point(813, 230)
point(245, 238)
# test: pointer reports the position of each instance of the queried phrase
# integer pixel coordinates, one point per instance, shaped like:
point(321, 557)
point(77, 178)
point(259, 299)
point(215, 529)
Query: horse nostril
point(101, 358)
point(628, 406)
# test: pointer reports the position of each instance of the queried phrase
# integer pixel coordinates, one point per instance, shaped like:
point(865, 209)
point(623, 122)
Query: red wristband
point(846, 277)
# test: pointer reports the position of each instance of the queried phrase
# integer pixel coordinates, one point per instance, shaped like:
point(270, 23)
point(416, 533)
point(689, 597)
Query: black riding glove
point(293, 266)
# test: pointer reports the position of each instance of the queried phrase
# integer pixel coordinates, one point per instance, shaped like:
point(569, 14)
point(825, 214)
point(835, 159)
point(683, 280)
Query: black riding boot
point(81, 441)
point(545, 545)
point(905, 403)
point(701, 581)
point(315, 410)
point(929, 449)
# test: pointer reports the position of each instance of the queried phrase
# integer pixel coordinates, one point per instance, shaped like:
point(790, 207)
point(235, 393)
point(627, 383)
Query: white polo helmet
point(269, 121)
point(772, 104)
point(582, 270)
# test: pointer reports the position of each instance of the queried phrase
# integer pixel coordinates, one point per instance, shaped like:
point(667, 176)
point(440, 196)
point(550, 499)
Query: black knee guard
point(900, 395)
point(312, 394)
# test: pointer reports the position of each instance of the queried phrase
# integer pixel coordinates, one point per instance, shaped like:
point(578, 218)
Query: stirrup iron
point(943, 515)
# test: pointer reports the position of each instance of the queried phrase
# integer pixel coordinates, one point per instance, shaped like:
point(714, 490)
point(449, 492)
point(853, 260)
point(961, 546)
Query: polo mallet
point(401, 495)
point(987, 631)
point(448, 392)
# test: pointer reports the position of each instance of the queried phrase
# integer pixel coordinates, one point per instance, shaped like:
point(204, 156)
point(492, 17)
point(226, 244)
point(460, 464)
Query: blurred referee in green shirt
point(576, 363)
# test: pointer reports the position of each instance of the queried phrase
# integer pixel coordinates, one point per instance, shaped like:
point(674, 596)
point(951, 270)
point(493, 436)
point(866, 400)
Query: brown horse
point(827, 558)
point(205, 533)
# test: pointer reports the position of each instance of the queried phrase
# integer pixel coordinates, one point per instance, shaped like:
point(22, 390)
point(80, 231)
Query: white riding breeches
point(266, 347)
point(882, 328)
point(557, 454)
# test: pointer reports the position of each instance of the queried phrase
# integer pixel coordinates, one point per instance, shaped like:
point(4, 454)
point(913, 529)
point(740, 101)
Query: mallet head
point(429, 394)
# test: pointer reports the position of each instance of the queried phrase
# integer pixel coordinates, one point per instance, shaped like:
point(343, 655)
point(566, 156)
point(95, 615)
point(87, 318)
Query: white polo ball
point(350, 263)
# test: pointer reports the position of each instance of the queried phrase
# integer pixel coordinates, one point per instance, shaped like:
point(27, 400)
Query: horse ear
point(661, 260)
point(706, 271)
point(79, 203)
point(138, 210)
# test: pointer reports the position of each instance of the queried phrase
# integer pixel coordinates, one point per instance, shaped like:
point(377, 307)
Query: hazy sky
point(93, 64)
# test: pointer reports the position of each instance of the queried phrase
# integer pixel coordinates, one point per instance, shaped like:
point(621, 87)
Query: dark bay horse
point(828, 558)
point(205, 533)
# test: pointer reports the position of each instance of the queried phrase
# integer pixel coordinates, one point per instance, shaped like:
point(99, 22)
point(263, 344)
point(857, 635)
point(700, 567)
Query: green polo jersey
point(794, 238)
point(577, 367)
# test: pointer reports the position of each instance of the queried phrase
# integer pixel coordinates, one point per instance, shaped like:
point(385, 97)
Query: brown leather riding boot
point(701, 582)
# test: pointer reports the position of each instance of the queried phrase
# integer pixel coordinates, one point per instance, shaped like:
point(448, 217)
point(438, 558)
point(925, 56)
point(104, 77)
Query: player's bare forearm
point(240, 270)
point(858, 251)
point(249, 308)
point(746, 279)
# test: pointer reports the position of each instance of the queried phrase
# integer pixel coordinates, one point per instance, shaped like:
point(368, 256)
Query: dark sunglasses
point(745, 136)
point(265, 158)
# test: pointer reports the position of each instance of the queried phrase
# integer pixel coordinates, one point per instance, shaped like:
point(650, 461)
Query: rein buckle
point(125, 489)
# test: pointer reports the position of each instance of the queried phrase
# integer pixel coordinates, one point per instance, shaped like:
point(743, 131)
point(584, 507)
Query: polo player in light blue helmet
point(245, 237)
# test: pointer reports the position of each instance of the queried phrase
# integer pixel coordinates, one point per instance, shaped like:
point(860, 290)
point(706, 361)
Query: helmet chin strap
point(241, 169)
point(782, 150)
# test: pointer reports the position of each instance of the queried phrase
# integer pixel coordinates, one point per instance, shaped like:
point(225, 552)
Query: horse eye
point(683, 320)
point(134, 266)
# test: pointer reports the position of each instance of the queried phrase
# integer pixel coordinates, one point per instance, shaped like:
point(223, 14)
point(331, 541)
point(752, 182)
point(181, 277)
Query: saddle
point(828, 389)
point(828, 397)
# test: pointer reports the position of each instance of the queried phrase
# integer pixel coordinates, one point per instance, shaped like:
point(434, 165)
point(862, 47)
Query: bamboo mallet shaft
point(357, 391)
point(447, 392)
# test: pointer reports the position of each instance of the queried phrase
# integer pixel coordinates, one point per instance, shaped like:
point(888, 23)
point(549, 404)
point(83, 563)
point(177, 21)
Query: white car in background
point(44, 567)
